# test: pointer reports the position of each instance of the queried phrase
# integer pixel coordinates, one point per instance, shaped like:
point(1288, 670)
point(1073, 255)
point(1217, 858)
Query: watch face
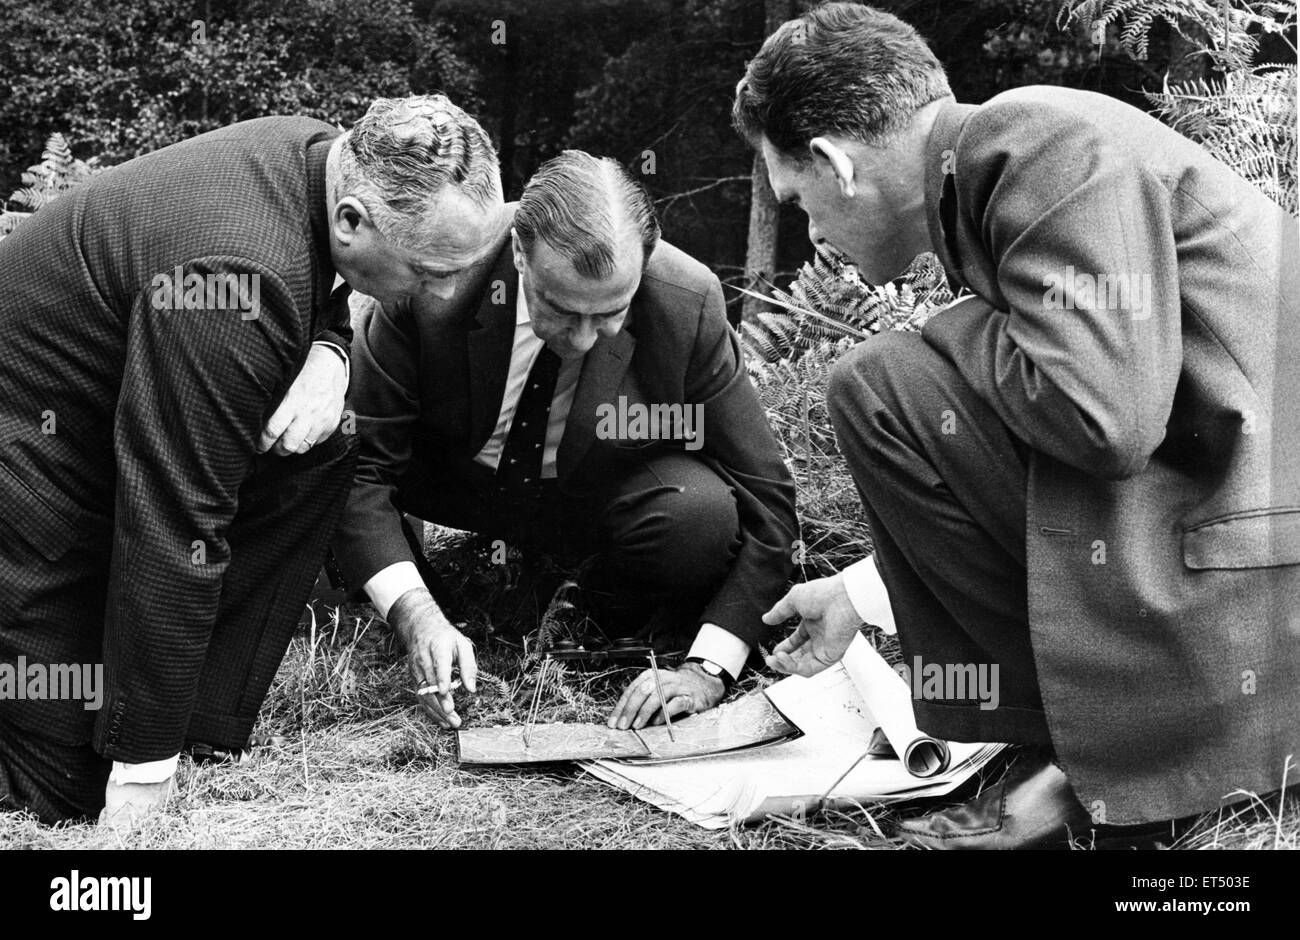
point(712, 669)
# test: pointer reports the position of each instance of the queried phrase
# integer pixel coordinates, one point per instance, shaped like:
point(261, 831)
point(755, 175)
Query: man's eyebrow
point(573, 313)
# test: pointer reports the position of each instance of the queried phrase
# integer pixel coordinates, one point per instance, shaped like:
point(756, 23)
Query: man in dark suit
point(581, 392)
point(1085, 472)
point(171, 381)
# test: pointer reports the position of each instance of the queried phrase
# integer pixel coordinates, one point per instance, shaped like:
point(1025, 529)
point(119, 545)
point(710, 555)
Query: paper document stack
point(831, 763)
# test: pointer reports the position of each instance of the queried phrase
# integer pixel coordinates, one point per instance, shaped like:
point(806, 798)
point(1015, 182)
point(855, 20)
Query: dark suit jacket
point(158, 411)
point(1164, 489)
point(438, 372)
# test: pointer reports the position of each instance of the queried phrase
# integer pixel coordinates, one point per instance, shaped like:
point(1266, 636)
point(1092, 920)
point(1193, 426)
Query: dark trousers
point(657, 537)
point(943, 481)
point(288, 509)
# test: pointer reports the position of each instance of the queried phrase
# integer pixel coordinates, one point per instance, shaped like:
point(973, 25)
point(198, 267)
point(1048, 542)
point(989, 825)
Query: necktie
point(521, 458)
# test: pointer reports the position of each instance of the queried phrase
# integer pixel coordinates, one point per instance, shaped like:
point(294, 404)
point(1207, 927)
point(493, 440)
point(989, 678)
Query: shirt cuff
point(154, 771)
point(722, 647)
point(868, 595)
point(342, 354)
point(388, 584)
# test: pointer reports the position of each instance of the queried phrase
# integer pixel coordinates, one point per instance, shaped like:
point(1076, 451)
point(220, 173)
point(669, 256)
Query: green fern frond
point(1247, 119)
point(828, 307)
point(58, 172)
point(1230, 37)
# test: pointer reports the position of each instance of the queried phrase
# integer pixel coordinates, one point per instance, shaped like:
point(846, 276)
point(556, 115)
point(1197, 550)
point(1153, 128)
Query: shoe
point(201, 753)
point(1031, 807)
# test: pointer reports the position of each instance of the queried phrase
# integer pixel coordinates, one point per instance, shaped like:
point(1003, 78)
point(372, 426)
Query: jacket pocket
point(1256, 538)
point(43, 527)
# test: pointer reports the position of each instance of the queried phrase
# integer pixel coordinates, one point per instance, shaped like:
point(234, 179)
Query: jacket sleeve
point(337, 328)
point(1083, 362)
point(739, 442)
point(197, 387)
point(385, 396)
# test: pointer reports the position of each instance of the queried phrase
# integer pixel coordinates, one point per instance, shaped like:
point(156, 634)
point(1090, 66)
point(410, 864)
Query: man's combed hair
point(583, 207)
point(841, 68)
point(402, 153)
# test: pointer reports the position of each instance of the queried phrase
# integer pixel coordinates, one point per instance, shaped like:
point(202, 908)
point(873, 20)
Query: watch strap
point(713, 669)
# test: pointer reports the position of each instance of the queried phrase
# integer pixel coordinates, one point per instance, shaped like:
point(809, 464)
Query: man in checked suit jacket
point(690, 506)
point(171, 379)
point(1087, 472)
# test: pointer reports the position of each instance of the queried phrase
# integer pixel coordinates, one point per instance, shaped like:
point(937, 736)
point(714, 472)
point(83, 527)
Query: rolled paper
point(889, 700)
point(926, 756)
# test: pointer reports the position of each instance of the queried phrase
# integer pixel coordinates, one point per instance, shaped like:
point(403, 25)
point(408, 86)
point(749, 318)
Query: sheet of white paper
point(802, 774)
point(889, 699)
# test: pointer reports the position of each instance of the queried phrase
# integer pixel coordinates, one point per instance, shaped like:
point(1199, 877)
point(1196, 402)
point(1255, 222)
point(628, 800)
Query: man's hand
point(827, 626)
point(126, 805)
point(311, 409)
point(433, 646)
point(686, 690)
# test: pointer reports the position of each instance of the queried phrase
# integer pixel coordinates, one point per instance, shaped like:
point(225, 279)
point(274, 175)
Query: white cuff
point(343, 353)
point(154, 771)
point(722, 647)
point(388, 584)
point(868, 595)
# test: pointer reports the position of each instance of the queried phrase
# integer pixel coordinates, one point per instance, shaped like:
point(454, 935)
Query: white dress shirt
point(523, 354)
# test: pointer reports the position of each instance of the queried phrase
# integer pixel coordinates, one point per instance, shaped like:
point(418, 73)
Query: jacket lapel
point(602, 373)
point(488, 348)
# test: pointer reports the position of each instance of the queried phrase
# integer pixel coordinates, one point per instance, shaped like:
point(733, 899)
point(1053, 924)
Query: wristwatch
point(713, 669)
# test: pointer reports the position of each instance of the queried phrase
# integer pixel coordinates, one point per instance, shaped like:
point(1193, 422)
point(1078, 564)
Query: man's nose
point(584, 337)
point(442, 287)
point(813, 235)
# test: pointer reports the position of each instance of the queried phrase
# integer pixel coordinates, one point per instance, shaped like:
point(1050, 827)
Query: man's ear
point(841, 163)
point(517, 250)
point(348, 218)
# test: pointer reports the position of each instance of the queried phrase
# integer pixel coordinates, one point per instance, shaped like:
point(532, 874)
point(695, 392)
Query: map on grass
point(751, 721)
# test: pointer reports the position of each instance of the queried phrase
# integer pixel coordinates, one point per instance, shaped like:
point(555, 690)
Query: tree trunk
point(760, 254)
point(764, 212)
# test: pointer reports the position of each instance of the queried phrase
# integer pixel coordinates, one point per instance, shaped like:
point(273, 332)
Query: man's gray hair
point(583, 206)
point(402, 153)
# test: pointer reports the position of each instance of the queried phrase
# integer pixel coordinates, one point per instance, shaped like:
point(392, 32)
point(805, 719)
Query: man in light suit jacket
point(171, 380)
point(581, 392)
point(1087, 471)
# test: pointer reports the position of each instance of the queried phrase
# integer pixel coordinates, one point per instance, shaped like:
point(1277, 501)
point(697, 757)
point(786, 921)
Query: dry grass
point(357, 765)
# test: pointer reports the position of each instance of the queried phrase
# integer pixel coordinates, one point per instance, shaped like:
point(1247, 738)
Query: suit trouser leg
point(662, 534)
point(288, 511)
point(943, 482)
point(56, 781)
point(668, 532)
point(55, 610)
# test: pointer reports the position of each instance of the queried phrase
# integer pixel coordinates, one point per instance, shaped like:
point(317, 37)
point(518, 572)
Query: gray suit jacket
point(158, 410)
point(1135, 321)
